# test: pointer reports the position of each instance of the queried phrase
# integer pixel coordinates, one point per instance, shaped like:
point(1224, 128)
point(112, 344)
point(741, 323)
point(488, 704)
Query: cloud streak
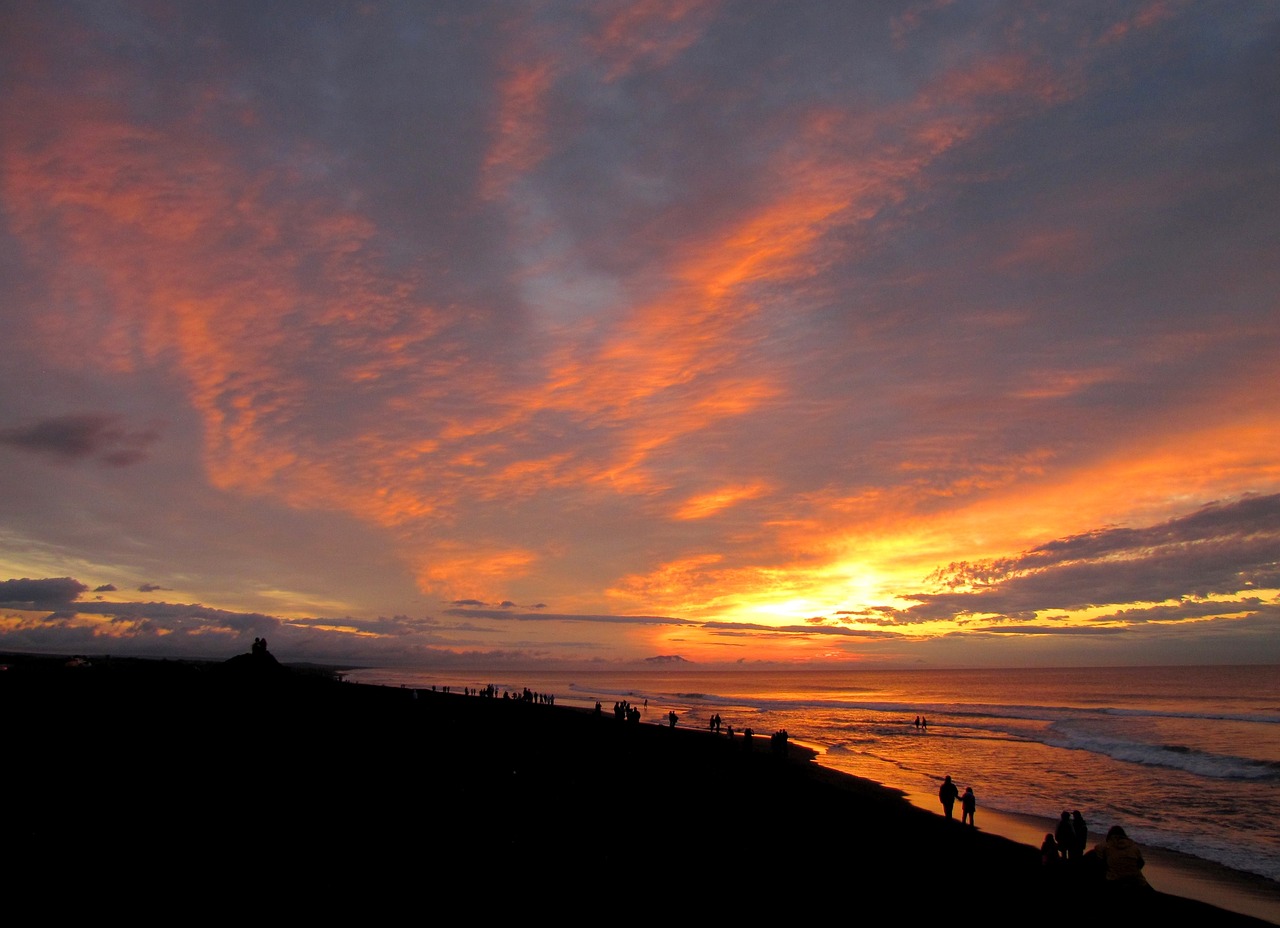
point(72, 438)
point(1221, 550)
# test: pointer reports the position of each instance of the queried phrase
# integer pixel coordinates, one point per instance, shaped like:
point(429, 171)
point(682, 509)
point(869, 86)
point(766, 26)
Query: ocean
point(1187, 759)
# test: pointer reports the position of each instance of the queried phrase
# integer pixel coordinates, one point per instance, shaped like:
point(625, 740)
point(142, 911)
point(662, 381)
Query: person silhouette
point(1049, 854)
point(948, 793)
point(1065, 833)
point(1123, 861)
point(1081, 832)
point(968, 805)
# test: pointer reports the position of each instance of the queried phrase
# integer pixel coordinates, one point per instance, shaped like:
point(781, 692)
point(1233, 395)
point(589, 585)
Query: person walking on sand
point(948, 793)
point(968, 805)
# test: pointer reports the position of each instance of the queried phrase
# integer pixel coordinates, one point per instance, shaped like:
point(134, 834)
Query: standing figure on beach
point(948, 794)
point(968, 804)
point(672, 718)
point(1066, 835)
point(1081, 832)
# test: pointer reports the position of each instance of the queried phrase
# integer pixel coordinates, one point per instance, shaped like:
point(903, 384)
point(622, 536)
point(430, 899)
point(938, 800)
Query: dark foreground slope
point(164, 786)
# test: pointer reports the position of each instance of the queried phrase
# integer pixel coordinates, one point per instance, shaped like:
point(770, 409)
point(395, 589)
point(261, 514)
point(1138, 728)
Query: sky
point(551, 334)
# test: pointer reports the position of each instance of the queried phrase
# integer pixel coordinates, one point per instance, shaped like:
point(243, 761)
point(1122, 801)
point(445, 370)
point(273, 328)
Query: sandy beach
point(156, 782)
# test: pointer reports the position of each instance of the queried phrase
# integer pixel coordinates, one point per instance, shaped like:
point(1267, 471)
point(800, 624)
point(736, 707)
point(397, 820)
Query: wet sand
point(155, 784)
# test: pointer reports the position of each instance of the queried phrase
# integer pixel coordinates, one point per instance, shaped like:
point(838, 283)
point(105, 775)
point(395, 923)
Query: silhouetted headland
point(181, 780)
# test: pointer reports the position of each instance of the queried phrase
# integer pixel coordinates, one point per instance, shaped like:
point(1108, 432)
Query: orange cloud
point(649, 33)
point(456, 572)
point(1148, 16)
point(707, 504)
point(519, 130)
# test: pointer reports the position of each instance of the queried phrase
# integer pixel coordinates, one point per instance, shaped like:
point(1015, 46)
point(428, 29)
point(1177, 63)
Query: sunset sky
point(879, 333)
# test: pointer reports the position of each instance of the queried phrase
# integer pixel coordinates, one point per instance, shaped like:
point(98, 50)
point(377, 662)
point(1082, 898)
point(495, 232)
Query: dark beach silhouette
point(160, 785)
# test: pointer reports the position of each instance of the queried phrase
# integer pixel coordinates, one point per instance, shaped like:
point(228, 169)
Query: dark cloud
point(1248, 519)
point(1223, 549)
point(1057, 631)
point(757, 630)
point(395, 626)
point(105, 588)
point(1190, 611)
point(81, 437)
point(40, 594)
point(149, 587)
point(570, 617)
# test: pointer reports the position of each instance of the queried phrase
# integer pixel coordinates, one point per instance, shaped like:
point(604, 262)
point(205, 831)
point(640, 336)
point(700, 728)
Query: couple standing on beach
point(948, 793)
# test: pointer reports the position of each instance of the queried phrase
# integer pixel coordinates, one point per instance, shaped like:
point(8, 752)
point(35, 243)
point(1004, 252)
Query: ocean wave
point(1174, 756)
point(1261, 718)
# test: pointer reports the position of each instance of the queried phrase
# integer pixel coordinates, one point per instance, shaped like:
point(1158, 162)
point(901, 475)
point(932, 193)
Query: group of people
point(1068, 841)
point(625, 712)
point(1118, 859)
point(948, 793)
